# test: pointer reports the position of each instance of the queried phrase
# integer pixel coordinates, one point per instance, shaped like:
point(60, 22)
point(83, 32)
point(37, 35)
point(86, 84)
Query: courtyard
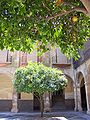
point(47, 116)
point(55, 36)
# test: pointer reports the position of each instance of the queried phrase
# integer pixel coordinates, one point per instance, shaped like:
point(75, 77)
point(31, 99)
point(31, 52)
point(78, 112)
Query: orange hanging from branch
point(58, 2)
point(74, 18)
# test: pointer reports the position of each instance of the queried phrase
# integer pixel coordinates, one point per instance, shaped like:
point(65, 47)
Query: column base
point(76, 109)
point(80, 109)
point(47, 110)
point(15, 110)
point(88, 112)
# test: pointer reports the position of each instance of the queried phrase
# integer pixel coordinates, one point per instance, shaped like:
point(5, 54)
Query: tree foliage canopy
point(39, 79)
point(24, 23)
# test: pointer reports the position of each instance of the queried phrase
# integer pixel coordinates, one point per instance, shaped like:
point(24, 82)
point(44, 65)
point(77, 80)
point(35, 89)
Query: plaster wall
point(25, 96)
point(3, 56)
point(32, 56)
point(61, 58)
point(69, 91)
point(5, 87)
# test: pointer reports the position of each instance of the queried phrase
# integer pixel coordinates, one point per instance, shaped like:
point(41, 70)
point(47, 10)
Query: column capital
point(77, 85)
point(87, 83)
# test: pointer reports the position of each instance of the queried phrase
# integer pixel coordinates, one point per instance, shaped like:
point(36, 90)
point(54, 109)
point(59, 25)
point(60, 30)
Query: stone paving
point(47, 116)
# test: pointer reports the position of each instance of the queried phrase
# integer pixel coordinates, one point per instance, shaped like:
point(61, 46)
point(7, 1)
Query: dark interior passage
point(83, 96)
point(58, 100)
point(36, 103)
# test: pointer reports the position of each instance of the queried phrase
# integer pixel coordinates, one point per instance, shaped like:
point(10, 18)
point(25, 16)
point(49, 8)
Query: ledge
point(23, 64)
point(57, 65)
point(5, 64)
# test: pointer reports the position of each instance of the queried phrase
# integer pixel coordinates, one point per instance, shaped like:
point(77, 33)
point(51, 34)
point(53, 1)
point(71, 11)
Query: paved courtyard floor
point(47, 116)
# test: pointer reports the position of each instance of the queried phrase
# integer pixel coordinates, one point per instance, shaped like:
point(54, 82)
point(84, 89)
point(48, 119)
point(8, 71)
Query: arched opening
point(81, 82)
point(6, 89)
point(64, 99)
point(69, 95)
point(25, 102)
point(58, 100)
point(83, 95)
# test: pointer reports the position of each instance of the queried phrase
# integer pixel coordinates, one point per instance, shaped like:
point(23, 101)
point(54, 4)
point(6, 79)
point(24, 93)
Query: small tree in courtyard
point(38, 79)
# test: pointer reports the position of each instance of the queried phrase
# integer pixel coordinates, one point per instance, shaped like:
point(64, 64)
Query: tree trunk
point(41, 105)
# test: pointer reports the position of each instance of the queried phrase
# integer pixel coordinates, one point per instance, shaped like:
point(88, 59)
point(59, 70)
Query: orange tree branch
point(78, 9)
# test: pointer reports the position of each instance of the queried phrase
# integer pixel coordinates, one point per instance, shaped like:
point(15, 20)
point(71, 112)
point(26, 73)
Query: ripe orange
point(74, 19)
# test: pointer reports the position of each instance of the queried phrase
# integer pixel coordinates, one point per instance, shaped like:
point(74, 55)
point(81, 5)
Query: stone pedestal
point(14, 102)
point(47, 102)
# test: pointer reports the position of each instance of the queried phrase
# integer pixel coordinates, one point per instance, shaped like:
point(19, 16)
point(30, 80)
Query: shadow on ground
point(47, 116)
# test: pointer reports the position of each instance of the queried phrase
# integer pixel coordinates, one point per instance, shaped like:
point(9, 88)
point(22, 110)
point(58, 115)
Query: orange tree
point(38, 79)
point(65, 23)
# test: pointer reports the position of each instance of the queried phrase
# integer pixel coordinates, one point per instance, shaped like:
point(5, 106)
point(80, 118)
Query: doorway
point(58, 100)
point(83, 96)
point(36, 103)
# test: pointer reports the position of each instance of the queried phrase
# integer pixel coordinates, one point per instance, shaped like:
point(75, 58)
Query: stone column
point(14, 101)
point(17, 58)
point(77, 97)
point(46, 102)
point(87, 86)
point(14, 95)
